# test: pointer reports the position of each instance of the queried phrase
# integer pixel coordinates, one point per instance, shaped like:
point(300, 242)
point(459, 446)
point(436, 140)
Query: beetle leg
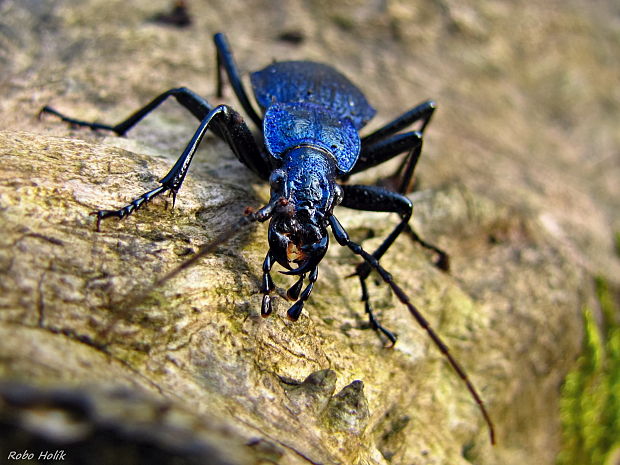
point(227, 122)
point(385, 143)
point(250, 156)
point(378, 199)
point(383, 151)
point(267, 286)
point(372, 319)
point(294, 291)
point(197, 105)
point(226, 61)
point(342, 237)
point(422, 112)
point(295, 310)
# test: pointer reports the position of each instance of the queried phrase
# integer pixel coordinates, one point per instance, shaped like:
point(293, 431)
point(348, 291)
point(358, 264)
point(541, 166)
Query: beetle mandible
point(310, 127)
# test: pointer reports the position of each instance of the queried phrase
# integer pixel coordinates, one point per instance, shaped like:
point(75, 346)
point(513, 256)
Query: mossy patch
point(590, 404)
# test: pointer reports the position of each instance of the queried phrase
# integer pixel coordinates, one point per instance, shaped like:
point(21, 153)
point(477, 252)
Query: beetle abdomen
point(305, 81)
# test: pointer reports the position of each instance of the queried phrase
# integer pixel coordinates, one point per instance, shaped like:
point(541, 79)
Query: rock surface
point(520, 179)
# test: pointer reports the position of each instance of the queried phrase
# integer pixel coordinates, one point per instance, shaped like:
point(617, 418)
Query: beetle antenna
point(404, 299)
point(343, 239)
point(205, 250)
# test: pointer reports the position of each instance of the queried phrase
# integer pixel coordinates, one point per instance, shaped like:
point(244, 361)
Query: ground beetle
point(311, 118)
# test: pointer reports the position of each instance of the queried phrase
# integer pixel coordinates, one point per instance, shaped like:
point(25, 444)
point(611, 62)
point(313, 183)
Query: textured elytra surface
point(291, 125)
point(307, 82)
point(522, 199)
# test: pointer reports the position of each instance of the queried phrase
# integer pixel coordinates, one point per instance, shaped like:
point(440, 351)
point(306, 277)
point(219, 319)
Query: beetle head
point(304, 194)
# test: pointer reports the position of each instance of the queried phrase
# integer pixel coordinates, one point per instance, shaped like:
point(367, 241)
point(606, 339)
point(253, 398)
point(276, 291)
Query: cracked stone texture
point(519, 182)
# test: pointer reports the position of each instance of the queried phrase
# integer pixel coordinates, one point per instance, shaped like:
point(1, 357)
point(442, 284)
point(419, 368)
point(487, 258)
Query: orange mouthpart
point(294, 253)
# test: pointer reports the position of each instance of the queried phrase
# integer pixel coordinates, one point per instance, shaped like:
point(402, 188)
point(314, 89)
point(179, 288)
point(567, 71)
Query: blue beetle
point(312, 115)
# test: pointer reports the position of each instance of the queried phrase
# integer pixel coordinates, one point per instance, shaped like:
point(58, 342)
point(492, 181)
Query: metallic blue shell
point(289, 125)
point(305, 81)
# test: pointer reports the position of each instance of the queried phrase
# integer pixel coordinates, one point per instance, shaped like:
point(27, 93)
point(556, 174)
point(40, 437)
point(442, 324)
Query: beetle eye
point(338, 195)
point(276, 180)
